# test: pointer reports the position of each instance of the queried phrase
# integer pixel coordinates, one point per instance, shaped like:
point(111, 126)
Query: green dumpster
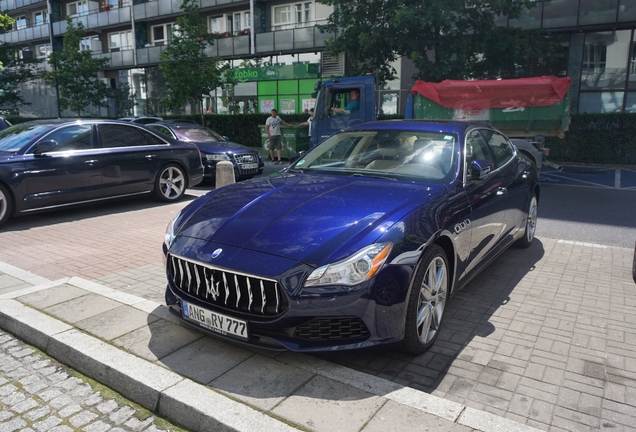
point(293, 140)
point(520, 119)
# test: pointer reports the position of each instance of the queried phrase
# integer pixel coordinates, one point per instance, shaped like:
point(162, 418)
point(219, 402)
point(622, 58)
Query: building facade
point(277, 50)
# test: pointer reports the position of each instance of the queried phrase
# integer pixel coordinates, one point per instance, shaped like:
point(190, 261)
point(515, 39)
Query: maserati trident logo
point(216, 253)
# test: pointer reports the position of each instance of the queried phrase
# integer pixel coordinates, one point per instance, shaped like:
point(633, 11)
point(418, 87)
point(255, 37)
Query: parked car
point(4, 123)
point(142, 119)
point(214, 148)
point(48, 164)
point(360, 242)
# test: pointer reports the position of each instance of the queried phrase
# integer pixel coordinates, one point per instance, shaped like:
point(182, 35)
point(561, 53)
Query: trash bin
point(293, 140)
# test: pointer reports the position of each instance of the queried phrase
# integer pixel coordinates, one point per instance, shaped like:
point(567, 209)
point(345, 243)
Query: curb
point(186, 402)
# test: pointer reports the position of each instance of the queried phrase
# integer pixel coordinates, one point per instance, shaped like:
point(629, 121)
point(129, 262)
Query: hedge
point(592, 138)
point(597, 139)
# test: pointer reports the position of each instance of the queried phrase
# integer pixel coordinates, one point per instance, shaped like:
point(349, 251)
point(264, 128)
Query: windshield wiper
point(373, 176)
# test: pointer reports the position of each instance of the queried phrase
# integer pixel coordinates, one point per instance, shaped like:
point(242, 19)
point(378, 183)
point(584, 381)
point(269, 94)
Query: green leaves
point(188, 71)
point(445, 39)
point(76, 73)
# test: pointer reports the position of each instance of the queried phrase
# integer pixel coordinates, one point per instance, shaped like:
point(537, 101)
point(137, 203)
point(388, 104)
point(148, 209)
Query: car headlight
point(359, 267)
point(217, 157)
point(169, 236)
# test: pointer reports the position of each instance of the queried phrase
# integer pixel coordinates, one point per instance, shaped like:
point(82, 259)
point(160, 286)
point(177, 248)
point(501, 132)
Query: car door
point(70, 172)
point(131, 159)
point(487, 196)
point(515, 174)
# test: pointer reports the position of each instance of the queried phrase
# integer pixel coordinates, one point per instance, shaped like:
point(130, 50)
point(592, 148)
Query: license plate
point(249, 166)
point(215, 321)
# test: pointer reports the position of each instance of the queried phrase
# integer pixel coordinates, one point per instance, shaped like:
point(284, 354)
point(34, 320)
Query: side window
point(152, 139)
point(76, 137)
point(163, 130)
point(477, 148)
point(344, 102)
point(500, 146)
point(121, 136)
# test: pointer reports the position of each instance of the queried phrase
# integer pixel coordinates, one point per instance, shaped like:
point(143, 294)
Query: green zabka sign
point(273, 73)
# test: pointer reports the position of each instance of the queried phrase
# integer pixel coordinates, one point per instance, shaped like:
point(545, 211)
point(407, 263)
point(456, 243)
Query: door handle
point(91, 161)
point(151, 157)
point(501, 191)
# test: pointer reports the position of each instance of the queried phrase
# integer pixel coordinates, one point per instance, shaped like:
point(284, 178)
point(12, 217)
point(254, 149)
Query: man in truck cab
point(353, 105)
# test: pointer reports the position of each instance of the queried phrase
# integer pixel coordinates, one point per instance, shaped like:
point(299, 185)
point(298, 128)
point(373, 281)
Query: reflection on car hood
point(309, 218)
point(222, 147)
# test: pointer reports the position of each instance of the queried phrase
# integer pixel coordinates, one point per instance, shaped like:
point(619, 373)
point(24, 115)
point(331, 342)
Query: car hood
point(222, 147)
point(314, 219)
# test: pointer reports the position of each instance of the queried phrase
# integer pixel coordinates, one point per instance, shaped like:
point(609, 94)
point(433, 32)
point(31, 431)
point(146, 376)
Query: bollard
point(224, 173)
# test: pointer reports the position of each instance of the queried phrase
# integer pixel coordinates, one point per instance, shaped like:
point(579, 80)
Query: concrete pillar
point(224, 173)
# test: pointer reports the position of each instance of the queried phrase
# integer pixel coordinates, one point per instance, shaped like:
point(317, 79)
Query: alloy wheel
point(432, 300)
point(172, 183)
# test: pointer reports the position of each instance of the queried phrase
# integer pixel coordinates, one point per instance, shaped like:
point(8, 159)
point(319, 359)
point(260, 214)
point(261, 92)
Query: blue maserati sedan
point(48, 164)
point(360, 242)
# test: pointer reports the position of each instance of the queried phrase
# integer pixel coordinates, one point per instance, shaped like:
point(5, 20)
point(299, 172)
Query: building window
point(20, 23)
point(302, 13)
point(237, 22)
point(120, 41)
point(247, 20)
point(161, 34)
point(282, 14)
point(90, 43)
point(78, 8)
point(216, 24)
point(40, 17)
point(42, 51)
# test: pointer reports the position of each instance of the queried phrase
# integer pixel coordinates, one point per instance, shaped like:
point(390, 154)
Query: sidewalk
point(135, 347)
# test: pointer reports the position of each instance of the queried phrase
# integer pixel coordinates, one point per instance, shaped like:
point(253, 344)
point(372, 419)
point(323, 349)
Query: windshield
point(398, 154)
point(198, 134)
point(16, 137)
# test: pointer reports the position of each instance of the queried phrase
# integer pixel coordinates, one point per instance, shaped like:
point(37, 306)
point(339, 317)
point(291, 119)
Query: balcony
point(155, 8)
point(27, 34)
point(97, 18)
point(118, 59)
point(16, 4)
point(224, 47)
point(301, 38)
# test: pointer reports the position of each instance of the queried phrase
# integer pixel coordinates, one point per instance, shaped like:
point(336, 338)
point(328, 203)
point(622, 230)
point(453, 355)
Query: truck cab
point(332, 97)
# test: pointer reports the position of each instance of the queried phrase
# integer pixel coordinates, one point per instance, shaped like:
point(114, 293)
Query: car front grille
point(231, 291)
point(329, 329)
point(247, 158)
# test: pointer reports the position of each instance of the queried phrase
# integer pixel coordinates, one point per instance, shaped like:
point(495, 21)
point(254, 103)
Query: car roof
point(178, 125)
point(446, 126)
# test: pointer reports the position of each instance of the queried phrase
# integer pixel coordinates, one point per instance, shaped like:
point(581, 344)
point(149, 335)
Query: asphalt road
point(588, 214)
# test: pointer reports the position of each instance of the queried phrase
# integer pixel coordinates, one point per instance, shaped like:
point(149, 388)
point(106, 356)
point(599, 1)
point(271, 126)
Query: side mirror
point(479, 169)
point(44, 146)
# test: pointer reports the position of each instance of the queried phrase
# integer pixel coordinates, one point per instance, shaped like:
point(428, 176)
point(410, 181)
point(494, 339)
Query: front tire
point(427, 302)
point(531, 224)
point(170, 184)
point(6, 205)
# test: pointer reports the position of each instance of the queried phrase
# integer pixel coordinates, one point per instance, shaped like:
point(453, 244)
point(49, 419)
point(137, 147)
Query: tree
point(189, 72)
point(13, 70)
point(125, 99)
point(445, 39)
point(75, 72)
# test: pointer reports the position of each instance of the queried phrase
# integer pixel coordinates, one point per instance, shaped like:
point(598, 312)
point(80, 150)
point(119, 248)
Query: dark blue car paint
point(285, 226)
point(63, 178)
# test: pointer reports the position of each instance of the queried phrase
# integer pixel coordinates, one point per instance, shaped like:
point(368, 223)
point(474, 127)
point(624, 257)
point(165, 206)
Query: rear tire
point(531, 224)
point(6, 205)
point(170, 184)
point(427, 302)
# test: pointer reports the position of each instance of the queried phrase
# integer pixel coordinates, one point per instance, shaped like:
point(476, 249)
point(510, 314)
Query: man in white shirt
point(272, 127)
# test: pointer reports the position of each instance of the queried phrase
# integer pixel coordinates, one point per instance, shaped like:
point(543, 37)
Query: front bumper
point(317, 319)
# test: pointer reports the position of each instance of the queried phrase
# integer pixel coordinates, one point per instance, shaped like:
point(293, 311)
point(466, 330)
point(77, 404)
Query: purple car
point(360, 242)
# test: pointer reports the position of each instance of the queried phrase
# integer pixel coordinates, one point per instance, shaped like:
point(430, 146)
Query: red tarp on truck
point(509, 93)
